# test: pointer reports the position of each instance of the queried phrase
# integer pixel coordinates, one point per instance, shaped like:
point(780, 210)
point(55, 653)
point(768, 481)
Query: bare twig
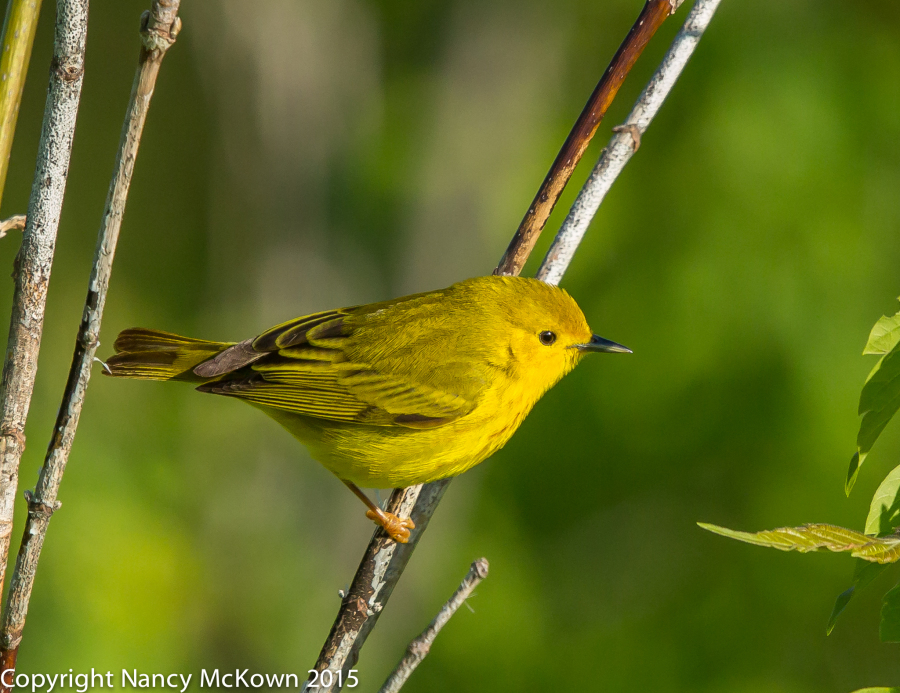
point(384, 562)
point(32, 266)
point(624, 143)
point(159, 27)
point(14, 223)
point(651, 18)
point(17, 39)
point(418, 649)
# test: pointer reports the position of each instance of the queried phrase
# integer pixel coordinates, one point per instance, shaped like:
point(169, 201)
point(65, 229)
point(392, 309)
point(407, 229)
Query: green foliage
point(815, 537)
point(884, 336)
point(880, 396)
point(879, 545)
point(863, 575)
point(878, 689)
point(884, 512)
point(889, 629)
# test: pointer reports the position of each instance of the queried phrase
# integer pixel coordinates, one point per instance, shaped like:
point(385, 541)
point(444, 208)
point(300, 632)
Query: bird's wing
point(315, 366)
point(251, 350)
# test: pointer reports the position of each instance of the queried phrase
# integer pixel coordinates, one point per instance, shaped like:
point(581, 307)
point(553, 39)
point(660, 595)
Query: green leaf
point(878, 689)
point(884, 511)
point(878, 402)
point(889, 630)
point(884, 335)
point(819, 536)
point(863, 575)
point(852, 472)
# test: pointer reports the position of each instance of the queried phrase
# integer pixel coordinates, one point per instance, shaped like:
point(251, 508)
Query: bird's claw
point(396, 527)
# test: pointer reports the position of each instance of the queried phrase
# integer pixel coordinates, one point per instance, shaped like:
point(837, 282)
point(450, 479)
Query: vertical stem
point(16, 41)
point(159, 27)
point(32, 266)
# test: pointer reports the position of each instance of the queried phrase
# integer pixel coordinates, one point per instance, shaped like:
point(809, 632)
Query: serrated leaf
point(889, 630)
point(884, 511)
point(863, 575)
point(819, 536)
point(884, 335)
point(878, 402)
point(880, 550)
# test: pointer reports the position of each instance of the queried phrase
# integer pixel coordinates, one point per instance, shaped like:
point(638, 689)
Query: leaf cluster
point(878, 545)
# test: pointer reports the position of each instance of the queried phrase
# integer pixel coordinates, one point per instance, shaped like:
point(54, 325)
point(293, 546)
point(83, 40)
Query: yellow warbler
point(396, 393)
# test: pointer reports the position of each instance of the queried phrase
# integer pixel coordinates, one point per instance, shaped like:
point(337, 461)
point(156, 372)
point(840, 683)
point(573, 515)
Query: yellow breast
point(394, 456)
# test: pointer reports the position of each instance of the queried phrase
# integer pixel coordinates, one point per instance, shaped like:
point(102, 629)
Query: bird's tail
point(155, 355)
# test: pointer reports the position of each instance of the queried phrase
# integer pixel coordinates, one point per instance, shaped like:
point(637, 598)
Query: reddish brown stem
point(8, 662)
point(650, 19)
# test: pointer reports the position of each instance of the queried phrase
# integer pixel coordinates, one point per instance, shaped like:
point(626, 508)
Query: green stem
point(16, 41)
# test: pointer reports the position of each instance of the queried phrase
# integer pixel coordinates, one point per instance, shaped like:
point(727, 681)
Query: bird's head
point(547, 332)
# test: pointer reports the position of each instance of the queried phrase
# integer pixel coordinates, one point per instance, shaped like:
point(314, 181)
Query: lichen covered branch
point(159, 27)
point(33, 263)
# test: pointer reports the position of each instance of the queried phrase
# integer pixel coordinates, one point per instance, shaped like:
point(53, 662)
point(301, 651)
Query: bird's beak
point(597, 343)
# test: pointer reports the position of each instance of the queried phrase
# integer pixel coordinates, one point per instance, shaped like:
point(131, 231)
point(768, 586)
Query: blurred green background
point(309, 154)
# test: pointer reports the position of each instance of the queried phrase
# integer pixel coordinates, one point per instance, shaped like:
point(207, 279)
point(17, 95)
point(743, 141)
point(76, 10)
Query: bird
point(395, 393)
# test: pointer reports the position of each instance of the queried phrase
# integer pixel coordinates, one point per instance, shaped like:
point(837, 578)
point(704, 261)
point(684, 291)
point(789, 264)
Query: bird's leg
point(396, 527)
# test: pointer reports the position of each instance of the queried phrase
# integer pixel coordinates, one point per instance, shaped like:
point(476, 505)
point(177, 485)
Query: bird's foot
point(396, 527)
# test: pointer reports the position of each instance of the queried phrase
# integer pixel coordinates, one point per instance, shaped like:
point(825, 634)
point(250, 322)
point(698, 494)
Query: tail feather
point(156, 355)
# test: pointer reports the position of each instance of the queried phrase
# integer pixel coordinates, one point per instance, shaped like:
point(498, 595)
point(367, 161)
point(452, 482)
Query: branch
point(651, 18)
point(624, 143)
point(159, 27)
point(379, 570)
point(14, 223)
point(384, 561)
point(19, 27)
point(419, 648)
point(33, 263)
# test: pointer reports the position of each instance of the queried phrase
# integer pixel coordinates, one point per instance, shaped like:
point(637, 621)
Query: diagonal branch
point(650, 19)
point(379, 570)
point(419, 648)
point(32, 266)
point(384, 561)
point(624, 143)
point(159, 27)
point(19, 27)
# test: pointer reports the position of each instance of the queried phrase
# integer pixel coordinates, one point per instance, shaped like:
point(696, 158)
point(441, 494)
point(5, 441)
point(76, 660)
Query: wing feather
point(365, 365)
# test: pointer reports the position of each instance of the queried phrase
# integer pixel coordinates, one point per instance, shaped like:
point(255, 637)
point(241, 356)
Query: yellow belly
point(396, 456)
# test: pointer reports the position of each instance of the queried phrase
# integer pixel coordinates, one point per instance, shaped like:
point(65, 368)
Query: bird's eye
point(547, 337)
